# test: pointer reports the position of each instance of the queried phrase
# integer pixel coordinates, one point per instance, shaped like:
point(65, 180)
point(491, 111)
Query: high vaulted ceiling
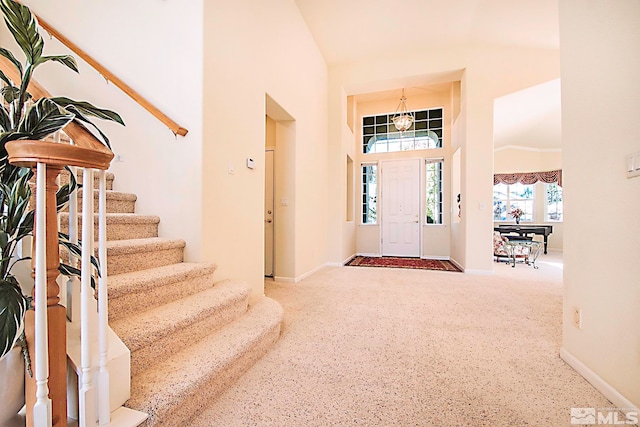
point(353, 30)
point(359, 30)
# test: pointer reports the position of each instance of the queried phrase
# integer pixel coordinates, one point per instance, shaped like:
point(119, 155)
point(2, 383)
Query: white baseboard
point(555, 250)
point(349, 258)
point(595, 380)
point(301, 277)
point(438, 257)
point(336, 264)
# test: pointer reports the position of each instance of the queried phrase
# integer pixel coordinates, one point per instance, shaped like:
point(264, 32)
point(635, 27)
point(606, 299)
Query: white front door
point(268, 213)
point(401, 208)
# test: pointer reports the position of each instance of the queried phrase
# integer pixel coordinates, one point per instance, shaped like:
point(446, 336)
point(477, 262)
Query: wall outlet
point(577, 317)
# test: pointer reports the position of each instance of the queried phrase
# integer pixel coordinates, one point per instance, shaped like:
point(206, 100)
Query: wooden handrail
point(144, 103)
point(78, 133)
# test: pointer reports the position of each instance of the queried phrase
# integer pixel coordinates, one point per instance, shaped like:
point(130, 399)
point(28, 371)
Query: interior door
point(268, 213)
point(401, 208)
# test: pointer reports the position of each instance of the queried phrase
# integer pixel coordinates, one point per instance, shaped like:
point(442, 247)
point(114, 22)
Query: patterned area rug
point(396, 262)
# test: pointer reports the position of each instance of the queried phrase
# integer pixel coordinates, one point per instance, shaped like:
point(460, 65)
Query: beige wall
point(602, 225)
point(164, 171)
point(252, 50)
point(481, 83)
point(435, 238)
point(521, 159)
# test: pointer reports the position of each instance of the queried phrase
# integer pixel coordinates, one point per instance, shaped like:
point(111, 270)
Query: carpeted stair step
point(117, 202)
point(176, 389)
point(124, 256)
point(120, 226)
point(64, 178)
point(133, 292)
point(153, 335)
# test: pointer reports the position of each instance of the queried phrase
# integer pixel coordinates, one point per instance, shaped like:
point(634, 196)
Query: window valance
point(529, 177)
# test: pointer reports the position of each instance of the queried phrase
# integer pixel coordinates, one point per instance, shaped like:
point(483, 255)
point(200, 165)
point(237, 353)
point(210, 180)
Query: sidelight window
point(434, 203)
point(370, 193)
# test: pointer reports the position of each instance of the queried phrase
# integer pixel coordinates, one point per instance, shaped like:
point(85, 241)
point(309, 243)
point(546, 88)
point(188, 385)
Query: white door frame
point(269, 215)
point(419, 200)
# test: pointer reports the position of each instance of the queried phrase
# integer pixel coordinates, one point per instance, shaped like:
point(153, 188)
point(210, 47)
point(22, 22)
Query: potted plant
point(23, 118)
point(516, 213)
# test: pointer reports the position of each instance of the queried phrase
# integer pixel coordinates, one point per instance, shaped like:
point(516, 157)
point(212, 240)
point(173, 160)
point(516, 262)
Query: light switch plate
point(633, 165)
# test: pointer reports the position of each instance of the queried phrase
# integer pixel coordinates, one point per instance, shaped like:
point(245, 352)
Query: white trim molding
point(596, 381)
point(367, 254)
point(301, 277)
point(525, 148)
point(438, 257)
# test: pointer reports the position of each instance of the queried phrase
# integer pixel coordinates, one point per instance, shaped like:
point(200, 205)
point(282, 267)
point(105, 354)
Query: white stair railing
point(94, 387)
point(87, 398)
point(94, 352)
point(104, 412)
point(73, 285)
point(92, 348)
point(42, 407)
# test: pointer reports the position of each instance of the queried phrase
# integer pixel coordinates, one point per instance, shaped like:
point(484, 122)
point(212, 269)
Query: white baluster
point(42, 407)
point(104, 411)
point(87, 404)
point(73, 288)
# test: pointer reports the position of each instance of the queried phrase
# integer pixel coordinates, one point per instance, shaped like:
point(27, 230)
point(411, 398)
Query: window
point(553, 210)
point(433, 173)
point(507, 197)
point(379, 135)
point(369, 193)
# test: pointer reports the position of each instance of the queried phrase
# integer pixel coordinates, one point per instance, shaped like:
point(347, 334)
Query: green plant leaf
point(24, 29)
point(13, 306)
point(4, 240)
point(89, 109)
point(5, 79)
point(11, 136)
point(9, 55)
point(10, 93)
point(44, 118)
point(5, 121)
point(81, 120)
point(76, 249)
point(62, 197)
point(25, 227)
point(67, 60)
point(70, 271)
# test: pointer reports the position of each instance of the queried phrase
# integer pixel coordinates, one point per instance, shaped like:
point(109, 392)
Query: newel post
point(56, 314)
point(28, 153)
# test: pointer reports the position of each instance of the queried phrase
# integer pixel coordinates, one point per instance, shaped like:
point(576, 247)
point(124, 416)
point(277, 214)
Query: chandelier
point(402, 118)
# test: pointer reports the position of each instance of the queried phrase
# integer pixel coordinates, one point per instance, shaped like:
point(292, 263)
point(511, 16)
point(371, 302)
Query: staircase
point(190, 337)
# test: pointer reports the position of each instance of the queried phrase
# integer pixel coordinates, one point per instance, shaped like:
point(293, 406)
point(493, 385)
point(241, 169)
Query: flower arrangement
point(516, 213)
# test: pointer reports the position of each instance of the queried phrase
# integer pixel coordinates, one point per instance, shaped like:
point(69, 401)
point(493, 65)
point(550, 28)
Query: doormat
point(398, 262)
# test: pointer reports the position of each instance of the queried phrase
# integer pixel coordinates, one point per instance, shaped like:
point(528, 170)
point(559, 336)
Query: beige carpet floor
point(394, 347)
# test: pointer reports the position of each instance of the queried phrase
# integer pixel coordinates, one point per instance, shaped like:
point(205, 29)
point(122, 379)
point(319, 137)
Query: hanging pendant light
point(402, 118)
